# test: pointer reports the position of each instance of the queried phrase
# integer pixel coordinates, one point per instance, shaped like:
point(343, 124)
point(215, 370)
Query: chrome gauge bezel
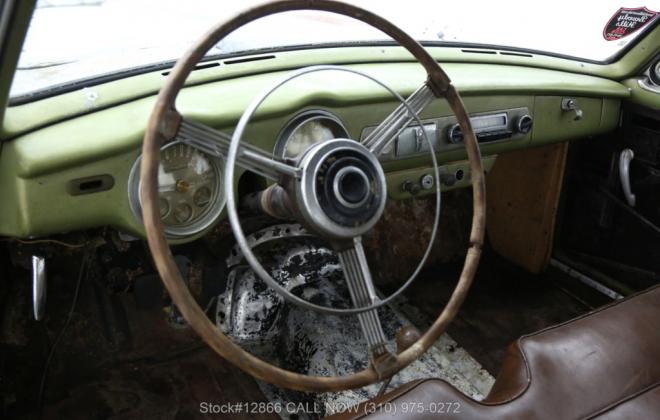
point(215, 206)
point(339, 131)
point(654, 72)
point(650, 80)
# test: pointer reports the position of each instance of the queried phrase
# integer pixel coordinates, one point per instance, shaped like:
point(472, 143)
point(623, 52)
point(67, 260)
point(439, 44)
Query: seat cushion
point(603, 364)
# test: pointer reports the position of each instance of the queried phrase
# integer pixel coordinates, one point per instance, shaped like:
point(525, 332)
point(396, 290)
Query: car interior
point(392, 228)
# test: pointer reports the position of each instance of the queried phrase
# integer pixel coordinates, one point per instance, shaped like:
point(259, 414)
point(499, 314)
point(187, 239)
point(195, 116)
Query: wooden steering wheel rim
point(162, 127)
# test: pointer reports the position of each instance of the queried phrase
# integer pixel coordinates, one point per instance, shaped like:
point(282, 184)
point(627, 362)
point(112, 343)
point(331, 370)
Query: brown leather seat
point(605, 364)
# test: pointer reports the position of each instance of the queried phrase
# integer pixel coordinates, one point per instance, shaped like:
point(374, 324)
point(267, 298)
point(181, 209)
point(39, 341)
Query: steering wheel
point(336, 189)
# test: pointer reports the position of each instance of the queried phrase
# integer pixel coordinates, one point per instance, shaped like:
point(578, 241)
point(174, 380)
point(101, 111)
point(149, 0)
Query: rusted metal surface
point(159, 130)
point(115, 359)
point(396, 244)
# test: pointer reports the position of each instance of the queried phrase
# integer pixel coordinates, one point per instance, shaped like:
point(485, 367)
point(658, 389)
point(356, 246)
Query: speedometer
point(190, 190)
point(307, 129)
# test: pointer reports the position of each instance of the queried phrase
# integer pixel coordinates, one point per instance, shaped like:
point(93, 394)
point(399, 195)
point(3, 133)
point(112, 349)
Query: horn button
point(341, 192)
point(351, 186)
point(346, 188)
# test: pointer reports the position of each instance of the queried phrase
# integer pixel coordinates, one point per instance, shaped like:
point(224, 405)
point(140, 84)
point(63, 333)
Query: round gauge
point(164, 207)
point(307, 129)
point(202, 197)
point(190, 189)
point(654, 73)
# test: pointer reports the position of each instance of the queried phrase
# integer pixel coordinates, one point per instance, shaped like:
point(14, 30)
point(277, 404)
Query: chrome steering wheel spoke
point(362, 291)
point(216, 143)
point(382, 136)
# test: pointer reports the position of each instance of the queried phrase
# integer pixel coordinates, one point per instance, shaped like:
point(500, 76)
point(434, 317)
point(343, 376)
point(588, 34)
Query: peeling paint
point(319, 344)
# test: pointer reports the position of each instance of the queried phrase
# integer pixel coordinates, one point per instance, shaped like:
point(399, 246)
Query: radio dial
point(455, 134)
point(525, 124)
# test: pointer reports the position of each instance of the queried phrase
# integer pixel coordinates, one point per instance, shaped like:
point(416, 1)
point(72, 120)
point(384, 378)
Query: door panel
point(599, 228)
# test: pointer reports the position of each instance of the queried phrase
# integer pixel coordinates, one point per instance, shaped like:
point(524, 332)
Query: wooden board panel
point(523, 193)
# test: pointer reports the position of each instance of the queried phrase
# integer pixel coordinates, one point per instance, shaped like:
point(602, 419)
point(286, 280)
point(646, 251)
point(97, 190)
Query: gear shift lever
point(405, 337)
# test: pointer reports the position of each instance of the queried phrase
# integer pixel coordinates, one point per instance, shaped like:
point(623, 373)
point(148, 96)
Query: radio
point(444, 132)
point(492, 127)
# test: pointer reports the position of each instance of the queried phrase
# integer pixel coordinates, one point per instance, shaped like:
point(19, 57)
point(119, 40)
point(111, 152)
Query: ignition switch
point(426, 181)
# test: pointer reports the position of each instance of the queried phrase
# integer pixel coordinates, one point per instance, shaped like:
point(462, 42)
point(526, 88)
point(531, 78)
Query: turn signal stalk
point(273, 201)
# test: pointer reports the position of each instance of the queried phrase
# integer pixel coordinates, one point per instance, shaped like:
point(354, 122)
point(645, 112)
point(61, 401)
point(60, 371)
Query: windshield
point(70, 40)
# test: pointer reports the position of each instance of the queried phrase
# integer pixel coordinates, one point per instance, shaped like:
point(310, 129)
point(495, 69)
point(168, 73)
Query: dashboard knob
point(412, 188)
point(448, 179)
point(525, 124)
point(455, 134)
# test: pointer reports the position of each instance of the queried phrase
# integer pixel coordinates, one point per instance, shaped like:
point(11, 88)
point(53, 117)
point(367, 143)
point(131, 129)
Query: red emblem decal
point(627, 21)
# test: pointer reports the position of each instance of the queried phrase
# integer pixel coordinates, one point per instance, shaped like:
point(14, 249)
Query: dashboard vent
point(248, 59)
point(200, 66)
point(516, 54)
point(208, 65)
point(494, 52)
point(91, 184)
point(479, 51)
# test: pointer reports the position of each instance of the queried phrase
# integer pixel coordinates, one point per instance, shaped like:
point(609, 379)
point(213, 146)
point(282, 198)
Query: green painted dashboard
point(38, 166)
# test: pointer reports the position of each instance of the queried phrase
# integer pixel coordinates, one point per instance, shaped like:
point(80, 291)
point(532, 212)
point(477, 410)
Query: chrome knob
point(455, 134)
point(570, 104)
point(525, 124)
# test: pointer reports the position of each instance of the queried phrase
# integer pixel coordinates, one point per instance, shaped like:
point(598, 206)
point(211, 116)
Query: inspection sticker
point(627, 21)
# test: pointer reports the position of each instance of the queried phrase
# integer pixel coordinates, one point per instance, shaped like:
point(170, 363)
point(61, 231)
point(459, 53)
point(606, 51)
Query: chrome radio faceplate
point(444, 132)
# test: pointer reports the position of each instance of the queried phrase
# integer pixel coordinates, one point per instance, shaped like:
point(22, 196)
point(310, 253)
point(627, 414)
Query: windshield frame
point(486, 49)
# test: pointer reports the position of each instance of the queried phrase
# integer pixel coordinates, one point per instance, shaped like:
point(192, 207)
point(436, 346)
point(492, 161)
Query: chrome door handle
point(624, 174)
point(38, 286)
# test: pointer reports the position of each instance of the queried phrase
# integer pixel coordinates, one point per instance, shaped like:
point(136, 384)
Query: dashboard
point(84, 172)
